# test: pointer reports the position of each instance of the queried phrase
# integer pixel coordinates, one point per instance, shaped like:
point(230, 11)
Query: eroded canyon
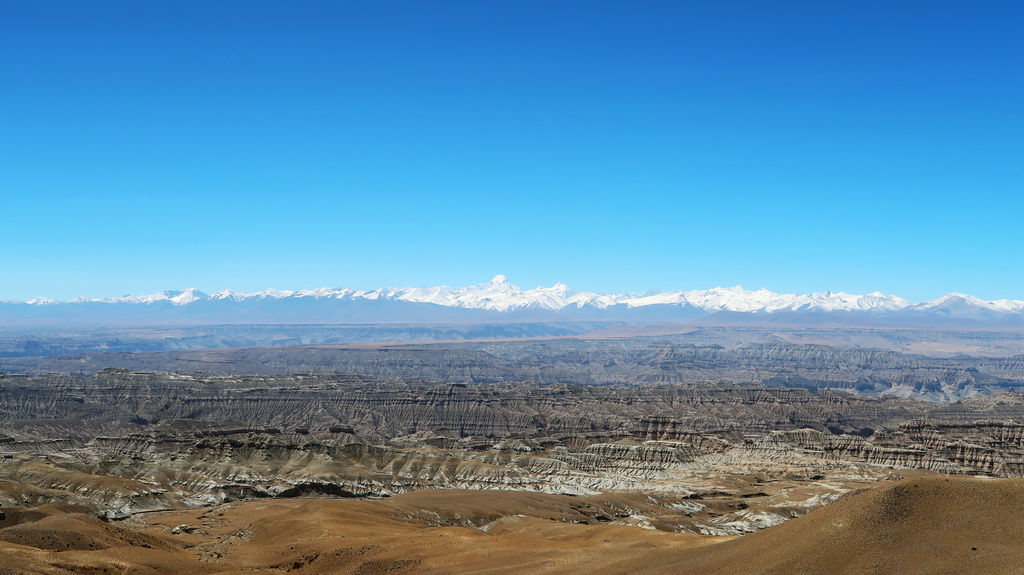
point(113, 459)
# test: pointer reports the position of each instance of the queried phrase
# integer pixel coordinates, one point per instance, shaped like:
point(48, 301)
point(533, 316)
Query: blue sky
point(798, 146)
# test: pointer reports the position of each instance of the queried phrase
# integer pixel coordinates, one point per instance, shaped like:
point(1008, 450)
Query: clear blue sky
point(797, 146)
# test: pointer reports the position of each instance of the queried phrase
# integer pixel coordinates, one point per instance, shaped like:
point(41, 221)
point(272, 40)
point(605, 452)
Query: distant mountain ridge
point(499, 299)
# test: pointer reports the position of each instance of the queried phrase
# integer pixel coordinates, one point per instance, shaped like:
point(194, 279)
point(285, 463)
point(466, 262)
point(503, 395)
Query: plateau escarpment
point(388, 409)
point(727, 459)
point(622, 362)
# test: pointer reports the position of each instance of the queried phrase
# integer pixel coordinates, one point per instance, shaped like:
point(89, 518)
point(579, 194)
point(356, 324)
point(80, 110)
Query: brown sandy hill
point(516, 532)
point(920, 525)
point(63, 539)
point(923, 525)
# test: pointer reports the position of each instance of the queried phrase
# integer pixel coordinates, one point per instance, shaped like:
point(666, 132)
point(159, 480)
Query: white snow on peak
point(1009, 305)
point(186, 297)
point(227, 294)
point(316, 293)
point(501, 295)
point(959, 304)
point(42, 301)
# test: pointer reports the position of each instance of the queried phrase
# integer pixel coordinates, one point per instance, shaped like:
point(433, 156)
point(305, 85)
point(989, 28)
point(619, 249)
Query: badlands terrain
point(713, 450)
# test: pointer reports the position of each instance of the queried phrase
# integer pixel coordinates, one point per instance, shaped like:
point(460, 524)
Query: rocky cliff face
point(118, 399)
point(987, 447)
point(131, 441)
point(392, 409)
point(625, 362)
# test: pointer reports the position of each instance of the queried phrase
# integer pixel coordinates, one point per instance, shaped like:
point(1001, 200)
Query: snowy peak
point(958, 304)
point(500, 295)
point(186, 297)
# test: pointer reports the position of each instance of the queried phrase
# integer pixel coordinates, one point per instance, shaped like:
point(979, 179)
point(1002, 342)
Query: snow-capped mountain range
point(498, 299)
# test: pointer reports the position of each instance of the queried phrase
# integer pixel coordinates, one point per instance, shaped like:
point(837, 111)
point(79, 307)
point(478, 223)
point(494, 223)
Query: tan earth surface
point(921, 524)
